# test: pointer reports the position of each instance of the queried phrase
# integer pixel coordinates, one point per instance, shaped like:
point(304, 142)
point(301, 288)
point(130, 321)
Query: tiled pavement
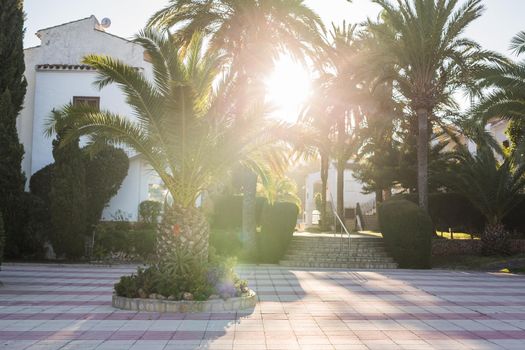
point(69, 307)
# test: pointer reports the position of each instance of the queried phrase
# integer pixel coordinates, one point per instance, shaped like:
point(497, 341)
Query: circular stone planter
point(157, 305)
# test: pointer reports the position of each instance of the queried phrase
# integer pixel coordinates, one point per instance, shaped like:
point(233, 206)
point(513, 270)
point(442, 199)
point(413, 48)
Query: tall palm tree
point(317, 138)
point(252, 34)
point(178, 126)
point(342, 96)
point(422, 41)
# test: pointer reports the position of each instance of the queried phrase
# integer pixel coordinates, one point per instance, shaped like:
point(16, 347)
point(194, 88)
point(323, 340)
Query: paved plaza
point(69, 307)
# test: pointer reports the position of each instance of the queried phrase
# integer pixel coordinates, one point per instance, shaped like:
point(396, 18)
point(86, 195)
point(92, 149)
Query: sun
point(287, 89)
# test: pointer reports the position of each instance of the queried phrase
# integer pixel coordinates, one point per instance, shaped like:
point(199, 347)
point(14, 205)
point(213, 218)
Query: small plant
point(149, 211)
point(183, 277)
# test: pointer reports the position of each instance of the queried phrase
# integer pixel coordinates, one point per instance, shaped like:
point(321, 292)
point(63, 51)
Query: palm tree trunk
point(324, 185)
point(183, 229)
point(422, 158)
point(249, 225)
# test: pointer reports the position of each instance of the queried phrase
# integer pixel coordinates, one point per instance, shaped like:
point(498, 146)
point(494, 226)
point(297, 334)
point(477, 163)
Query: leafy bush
point(2, 238)
point(149, 211)
point(105, 172)
point(184, 277)
point(278, 226)
point(32, 228)
point(226, 242)
point(40, 182)
point(451, 210)
point(407, 231)
point(514, 221)
point(131, 241)
point(228, 212)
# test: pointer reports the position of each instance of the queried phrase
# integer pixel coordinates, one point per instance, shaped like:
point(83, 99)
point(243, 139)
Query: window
point(92, 101)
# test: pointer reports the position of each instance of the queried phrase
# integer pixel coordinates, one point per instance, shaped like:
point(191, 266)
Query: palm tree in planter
point(494, 183)
point(422, 42)
point(251, 34)
point(178, 126)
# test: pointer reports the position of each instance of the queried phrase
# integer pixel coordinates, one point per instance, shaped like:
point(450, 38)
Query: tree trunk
point(324, 184)
point(249, 224)
point(183, 229)
point(379, 195)
point(422, 158)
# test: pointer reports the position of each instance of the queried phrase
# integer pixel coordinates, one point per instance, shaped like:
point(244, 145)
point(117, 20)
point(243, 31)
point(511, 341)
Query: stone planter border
point(158, 305)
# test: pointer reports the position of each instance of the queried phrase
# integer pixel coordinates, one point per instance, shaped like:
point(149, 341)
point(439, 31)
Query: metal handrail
point(342, 225)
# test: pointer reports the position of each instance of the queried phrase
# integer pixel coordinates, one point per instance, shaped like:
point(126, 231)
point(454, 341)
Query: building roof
point(60, 66)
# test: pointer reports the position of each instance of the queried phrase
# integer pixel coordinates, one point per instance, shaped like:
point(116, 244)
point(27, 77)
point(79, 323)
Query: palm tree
point(422, 41)
point(252, 34)
point(343, 93)
point(316, 137)
point(494, 187)
point(506, 82)
point(178, 126)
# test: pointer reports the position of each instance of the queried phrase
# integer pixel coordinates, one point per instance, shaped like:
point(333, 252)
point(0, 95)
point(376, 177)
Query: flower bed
point(245, 301)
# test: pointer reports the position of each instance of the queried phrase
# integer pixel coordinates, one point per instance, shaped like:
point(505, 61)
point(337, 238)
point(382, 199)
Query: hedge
point(2, 238)
point(452, 210)
point(135, 240)
point(407, 231)
point(278, 226)
point(228, 212)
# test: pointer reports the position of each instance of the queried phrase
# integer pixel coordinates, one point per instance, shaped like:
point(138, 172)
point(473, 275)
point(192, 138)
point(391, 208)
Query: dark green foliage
point(99, 179)
point(451, 210)
point(32, 228)
point(515, 219)
point(12, 92)
point(407, 231)
point(278, 226)
point(134, 240)
point(68, 200)
point(149, 211)
point(2, 238)
point(183, 273)
point(516, 131)
point(40, 182)
point(226, 242)
point(228, 212)
point(105, 172)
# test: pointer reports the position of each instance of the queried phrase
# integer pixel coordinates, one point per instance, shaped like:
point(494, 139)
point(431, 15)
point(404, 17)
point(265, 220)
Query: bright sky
point(289, 85)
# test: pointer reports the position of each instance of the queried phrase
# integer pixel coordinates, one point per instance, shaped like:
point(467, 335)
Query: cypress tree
point(12, 92)
point(68, 201)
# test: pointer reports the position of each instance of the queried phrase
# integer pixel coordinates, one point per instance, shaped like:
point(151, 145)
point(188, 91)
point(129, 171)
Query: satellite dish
point(105, 23)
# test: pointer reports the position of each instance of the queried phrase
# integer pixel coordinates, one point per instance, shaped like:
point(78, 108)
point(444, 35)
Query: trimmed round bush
point(278, 226)
point(2, 238)
point(407, 231)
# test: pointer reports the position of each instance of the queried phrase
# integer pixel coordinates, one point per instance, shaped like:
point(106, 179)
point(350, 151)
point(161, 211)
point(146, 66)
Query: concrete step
point(336, 252)
point(371, 265)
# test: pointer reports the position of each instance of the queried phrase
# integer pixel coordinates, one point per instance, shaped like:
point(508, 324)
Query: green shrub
point(226, 242)
point(407, 231)
point(182, 273)
point(32, 228)
point(514, 221)
point(278, 226)
point(135, 240)
point(2, 238)
point(451, 210)
point(149, 211)
point(227, 213)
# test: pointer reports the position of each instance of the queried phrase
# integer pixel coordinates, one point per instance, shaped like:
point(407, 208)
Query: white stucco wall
point(67, 44)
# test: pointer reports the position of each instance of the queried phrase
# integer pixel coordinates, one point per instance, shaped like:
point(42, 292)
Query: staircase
point(324, 250)
point(371, 222)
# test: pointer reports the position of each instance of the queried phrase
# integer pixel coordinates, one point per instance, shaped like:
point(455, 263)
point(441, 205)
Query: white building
point(352, 192)
point(56, 76)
